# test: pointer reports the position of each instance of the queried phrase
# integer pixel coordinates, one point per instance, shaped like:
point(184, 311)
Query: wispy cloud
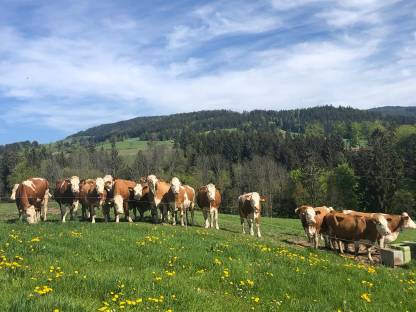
point(96, 63)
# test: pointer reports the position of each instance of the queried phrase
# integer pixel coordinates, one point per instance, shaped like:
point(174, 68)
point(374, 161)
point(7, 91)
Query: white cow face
point(108, 182)
point(211, 191)
point(138, 191)
point(74, 184)
point(408, 222)
point(175, 184)
point(152, 181)
point(310, 215)
point(382, 225)
point(99, 185)
point(255, 200)
point(30, 215)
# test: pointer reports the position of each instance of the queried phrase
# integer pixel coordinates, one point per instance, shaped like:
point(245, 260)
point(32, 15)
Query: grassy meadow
point(80, 266)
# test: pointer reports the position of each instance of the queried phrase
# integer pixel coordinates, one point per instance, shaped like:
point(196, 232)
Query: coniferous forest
point(335, 156)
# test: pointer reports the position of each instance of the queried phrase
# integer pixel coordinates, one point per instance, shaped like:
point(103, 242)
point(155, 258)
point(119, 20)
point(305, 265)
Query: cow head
point(30, 215)
point(152, 181)
point(108, 182)
point(175, 185)
point(13, 196)
point(255, 200)
point(381, 224)
point(138, 191)
point(211, 192)
point(74, 181)
point(408, 223)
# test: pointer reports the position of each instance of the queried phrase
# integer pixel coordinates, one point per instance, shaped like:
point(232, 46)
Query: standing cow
point(209, 199)
point(124, 192)
point(184, 200)
point(67, 196)
point(249, 207)
point(357, 229)
point(90, 198)
point(160, 196)
point(313, 224)
point(396, 223)
point(30, 196)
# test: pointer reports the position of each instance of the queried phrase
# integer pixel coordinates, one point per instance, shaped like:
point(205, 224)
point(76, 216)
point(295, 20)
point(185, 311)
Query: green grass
point(137, 261)
point(129, 147)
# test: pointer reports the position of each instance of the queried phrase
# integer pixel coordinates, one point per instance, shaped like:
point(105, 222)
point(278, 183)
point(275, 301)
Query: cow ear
point(317, 212)
point(406, 218)
point(296, 210)
point(389, 219)
point(339, 218)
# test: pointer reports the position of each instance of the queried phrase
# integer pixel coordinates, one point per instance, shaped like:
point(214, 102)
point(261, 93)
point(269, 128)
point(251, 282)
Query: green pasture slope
point(130, 147)
point(79, 266)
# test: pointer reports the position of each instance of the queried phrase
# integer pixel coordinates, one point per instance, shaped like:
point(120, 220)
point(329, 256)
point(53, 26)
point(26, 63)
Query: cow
point(184, 200)
point(396, 223)
point(160, 196)
point(357, 229)
point(208, 199)
point(312, 220)
point(249, 207)
point(142, 199)
point(30, 196)
point(13, 195)
point(67, 196)
point(90, 198)
point(124, 192)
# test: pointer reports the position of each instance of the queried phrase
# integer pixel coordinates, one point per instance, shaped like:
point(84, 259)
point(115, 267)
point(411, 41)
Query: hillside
point(171, 126)
point(409, 111)
point(80, 266)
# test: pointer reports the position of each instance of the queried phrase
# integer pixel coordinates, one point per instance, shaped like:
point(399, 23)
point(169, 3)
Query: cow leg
point(92, 214)
point(381, 242)
point(242, 225)
point(216, 218)
point(182, 214)
point(64, 212)
point(205, 213)
point(45, 207)
point(211, 215)
point(356, 247)
point(340, 246)
point(118, 207)
point(316, 241)
point(251, 225)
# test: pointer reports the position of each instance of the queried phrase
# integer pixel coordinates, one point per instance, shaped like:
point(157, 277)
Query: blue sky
point(69, 65)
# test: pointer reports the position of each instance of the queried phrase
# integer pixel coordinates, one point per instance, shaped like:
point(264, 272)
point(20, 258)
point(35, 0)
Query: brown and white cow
point(249, 207)
point(312, 219)
point(184, 200)
point(208, 199)
point(67, 196)
point(30, 196)
point(90, 198)
point(161, 197)
point(143, 199)
point(357, 229)
point(124, 192)
point(396, 223)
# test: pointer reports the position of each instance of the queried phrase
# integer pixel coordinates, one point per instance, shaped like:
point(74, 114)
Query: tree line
point(357, 164)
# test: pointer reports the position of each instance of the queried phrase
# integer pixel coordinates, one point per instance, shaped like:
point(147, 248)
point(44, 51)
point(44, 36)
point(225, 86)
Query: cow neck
point(399, 225)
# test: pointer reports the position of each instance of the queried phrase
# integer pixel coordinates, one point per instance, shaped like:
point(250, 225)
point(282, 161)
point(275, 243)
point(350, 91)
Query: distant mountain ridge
point(171, 126)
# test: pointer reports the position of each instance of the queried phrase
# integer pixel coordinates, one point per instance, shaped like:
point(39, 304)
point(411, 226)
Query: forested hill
point(408, 111)
point(297, 121)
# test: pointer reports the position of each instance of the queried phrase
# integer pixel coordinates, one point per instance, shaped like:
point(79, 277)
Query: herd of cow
point(165, 199)
point(349, 226)
point(162, 198)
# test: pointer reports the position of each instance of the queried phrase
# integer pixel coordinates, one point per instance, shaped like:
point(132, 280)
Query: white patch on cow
point(382, 225)
point(391, 237)
point(118, 204)
point(409, 223)
point(75, 205)
point(30, 215)
point(347, 211)
point(41, 179)
point(138, 191)
point(29, 184)
point(99, 185)
point(157, 201)
point(175, 185)
point(74, 184)
point(152, 180)
point(255, 201)
point(108, 182)
point(310, 216)
point(13, 196)
point(211, 192)
point(186, 202)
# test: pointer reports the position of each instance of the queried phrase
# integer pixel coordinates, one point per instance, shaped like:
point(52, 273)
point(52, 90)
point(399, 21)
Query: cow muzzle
point(30, 215)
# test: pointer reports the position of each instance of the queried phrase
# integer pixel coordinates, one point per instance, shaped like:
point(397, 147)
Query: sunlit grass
point(88, 267)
